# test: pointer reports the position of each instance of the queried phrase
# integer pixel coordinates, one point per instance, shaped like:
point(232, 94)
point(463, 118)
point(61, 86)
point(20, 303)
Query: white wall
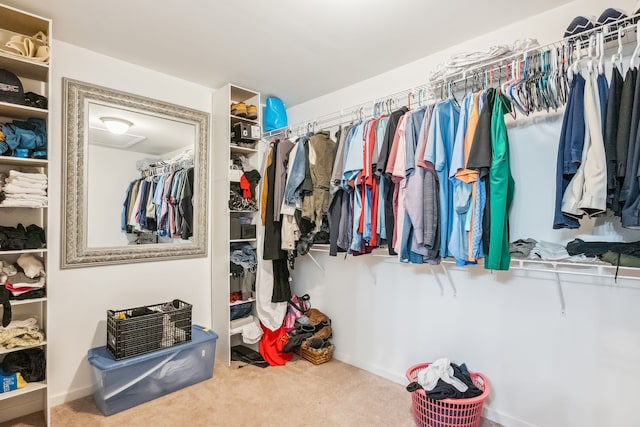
point(545, 368)
point(109, 171)
point(79, 298)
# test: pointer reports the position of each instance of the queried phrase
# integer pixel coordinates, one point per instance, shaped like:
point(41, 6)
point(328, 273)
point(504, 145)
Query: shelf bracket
point(435, 275)
point(453, 286)
point(563, 306)
point(316, 263)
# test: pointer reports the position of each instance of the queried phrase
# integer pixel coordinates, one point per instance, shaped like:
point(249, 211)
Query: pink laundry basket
point(447, 412)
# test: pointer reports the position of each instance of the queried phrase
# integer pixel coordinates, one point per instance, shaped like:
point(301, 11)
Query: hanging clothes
point(160, 204)
point(628, 115)
point(322, 153)
point(611, 135)
point(385, 181)
point(587, 190)
point(438, 152)
point(570, 150)
point(458, 243)
point(501, 188)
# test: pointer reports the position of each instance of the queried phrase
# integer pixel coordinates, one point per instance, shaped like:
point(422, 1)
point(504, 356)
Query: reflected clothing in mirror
point(161, 204)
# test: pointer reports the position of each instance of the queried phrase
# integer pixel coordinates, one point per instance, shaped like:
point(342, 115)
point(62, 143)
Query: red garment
point(271, 345)
point(244, 185)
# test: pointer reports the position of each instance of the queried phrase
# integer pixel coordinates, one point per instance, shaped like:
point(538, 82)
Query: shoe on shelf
point(252, 112)
point(239, 109)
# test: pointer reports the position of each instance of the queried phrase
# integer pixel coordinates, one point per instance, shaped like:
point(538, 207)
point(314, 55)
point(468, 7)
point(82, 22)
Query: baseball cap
point(610, 15)
point(580, 24)
point(11, 88)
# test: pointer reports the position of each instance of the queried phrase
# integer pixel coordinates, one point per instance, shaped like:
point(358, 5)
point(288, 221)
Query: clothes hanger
point(600, 51)
point(636, 52)
point(520, 78)
point(616, 58)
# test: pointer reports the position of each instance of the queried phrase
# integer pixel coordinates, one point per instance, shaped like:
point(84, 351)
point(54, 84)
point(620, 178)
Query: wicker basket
point(315, 356)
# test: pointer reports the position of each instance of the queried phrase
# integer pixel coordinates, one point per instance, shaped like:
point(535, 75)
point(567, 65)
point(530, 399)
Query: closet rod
point(413, 94)
point(517, 264)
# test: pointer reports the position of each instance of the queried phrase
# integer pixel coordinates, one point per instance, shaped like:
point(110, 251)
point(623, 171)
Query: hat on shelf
point(579, 25)
point(11, 88)
point(609, 16)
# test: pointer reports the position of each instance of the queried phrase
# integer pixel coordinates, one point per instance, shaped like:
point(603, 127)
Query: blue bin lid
point(101, 357)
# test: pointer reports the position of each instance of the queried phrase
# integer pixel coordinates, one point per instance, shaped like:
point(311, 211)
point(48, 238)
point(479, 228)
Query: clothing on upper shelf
point(162, 204)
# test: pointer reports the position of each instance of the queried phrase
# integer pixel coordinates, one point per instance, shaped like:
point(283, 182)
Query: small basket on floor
point(429, 412)
point(315, 356)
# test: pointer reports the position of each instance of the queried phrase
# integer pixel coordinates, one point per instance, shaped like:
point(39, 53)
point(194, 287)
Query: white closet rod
point(413, 95)
point(602, 270)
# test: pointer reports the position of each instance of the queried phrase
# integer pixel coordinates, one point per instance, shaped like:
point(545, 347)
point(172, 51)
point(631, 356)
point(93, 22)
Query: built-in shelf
point(233, 212)
point(24, 251)
point(19, 161)
point(15, 302)
point(236, 119)
point(239, 94)
point(29, 388)
point(24, 67)
point(244, 301)
point(13, 350)
point(241, 240)
point(242, 150)
point(16, 111)
point(23, 207)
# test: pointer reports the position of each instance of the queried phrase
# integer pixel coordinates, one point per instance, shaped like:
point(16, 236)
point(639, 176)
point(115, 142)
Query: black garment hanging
point(281, 286)
point(624, 123)
point(272, 226)
point(629, 191)
point(480, 160)
point(611, 136)
point(389, 186)
point(186, 206)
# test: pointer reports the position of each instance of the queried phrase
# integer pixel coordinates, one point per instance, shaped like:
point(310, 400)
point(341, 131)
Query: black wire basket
point(141, 330)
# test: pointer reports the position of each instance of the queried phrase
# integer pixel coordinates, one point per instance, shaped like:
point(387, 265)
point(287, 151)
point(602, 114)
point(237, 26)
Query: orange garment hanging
point(468, 175)
point(265, 190)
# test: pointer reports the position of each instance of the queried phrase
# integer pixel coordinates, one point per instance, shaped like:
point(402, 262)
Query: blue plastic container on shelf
point(123, 384)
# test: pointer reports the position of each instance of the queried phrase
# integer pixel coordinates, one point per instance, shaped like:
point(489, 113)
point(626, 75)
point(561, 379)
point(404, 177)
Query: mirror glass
point(135, 178)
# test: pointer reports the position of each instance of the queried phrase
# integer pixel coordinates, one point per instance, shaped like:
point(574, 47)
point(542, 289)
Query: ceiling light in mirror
point(116, 125)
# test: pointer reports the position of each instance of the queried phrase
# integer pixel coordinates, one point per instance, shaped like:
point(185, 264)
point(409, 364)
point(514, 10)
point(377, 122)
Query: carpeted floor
point(298, 394)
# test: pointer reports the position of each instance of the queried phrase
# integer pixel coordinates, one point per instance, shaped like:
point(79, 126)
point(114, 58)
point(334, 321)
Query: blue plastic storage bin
point(123, 384)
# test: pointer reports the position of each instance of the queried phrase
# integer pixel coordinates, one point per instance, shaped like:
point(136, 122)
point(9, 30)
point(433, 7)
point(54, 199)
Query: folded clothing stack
point(25, 279)
point(22, 189)
point(24, 138)
point(19, 238)
point(21, 333)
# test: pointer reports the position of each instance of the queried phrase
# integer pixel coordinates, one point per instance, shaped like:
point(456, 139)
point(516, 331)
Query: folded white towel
point(23, 203)
point(39, 176)
point(20, 196)
point(12, 188)
point(26, 183)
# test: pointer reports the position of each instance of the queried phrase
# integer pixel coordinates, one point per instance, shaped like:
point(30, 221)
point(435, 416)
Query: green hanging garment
point(501, 187)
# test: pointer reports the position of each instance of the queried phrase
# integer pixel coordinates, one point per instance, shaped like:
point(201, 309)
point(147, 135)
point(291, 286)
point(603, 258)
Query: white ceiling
point(294, 49)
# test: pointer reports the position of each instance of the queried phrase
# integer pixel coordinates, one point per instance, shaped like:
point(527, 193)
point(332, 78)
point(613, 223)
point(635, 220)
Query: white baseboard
point(78, 393)
point(381, 372)
point(488, 413)
point(504, 419)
